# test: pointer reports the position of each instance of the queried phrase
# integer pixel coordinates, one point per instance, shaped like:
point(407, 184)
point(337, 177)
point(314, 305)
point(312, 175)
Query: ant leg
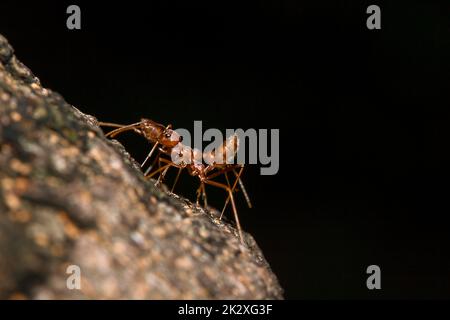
point(223, 170)
point(159, 167)
point(165, 168)
point(159, 158)
point(176, 179)
point(230, 194)
point(244, 191)
point(228, 198)
point(150, 154)
point(205, 199)
point(162, 175)
point(153, 163)
point(238, 175)
point(198, 194)
point(201, 193)
point(158, 170)
point(166, 161)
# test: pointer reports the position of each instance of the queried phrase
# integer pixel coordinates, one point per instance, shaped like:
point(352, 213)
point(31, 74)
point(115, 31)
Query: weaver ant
point(170, 142)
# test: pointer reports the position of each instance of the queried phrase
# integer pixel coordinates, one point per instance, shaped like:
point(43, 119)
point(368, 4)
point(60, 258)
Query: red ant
point(170, 143)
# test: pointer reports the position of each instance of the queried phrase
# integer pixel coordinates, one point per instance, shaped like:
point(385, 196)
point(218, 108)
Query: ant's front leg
point(149, 156)
point(152, 165)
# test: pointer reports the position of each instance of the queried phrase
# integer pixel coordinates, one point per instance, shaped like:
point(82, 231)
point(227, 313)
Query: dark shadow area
point(363, 118)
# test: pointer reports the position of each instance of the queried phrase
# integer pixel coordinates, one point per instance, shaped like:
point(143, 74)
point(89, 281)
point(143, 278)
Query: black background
point(363, 118)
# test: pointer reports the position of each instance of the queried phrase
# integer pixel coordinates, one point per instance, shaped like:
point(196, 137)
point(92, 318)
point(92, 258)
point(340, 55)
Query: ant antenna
point(121, 128)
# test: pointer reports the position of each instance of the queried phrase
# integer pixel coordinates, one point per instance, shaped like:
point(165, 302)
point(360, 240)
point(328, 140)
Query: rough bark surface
point(69, 196)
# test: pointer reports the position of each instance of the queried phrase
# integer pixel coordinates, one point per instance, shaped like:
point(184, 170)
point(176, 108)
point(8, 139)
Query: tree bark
point(69, 196)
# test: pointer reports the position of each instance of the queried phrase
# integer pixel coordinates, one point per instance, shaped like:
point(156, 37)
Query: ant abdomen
point(225, 153)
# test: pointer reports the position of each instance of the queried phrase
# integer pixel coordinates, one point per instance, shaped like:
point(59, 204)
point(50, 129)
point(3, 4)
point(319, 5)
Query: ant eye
point(167, 135)
point(181, 139)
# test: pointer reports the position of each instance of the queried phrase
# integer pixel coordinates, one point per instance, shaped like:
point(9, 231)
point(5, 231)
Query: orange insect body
point(219, 159)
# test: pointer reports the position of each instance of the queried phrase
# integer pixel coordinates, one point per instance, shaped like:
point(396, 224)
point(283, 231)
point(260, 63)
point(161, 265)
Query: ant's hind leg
point(238, 179)
point(244, 191)
point(228, 198)
point(233, 205)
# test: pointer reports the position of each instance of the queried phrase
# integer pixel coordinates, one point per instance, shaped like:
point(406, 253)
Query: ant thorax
point(197, 169)
point(183, 155)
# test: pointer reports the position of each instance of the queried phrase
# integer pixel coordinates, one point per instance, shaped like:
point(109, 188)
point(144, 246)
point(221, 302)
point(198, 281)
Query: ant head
point(170, 138)
point(156, 132)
